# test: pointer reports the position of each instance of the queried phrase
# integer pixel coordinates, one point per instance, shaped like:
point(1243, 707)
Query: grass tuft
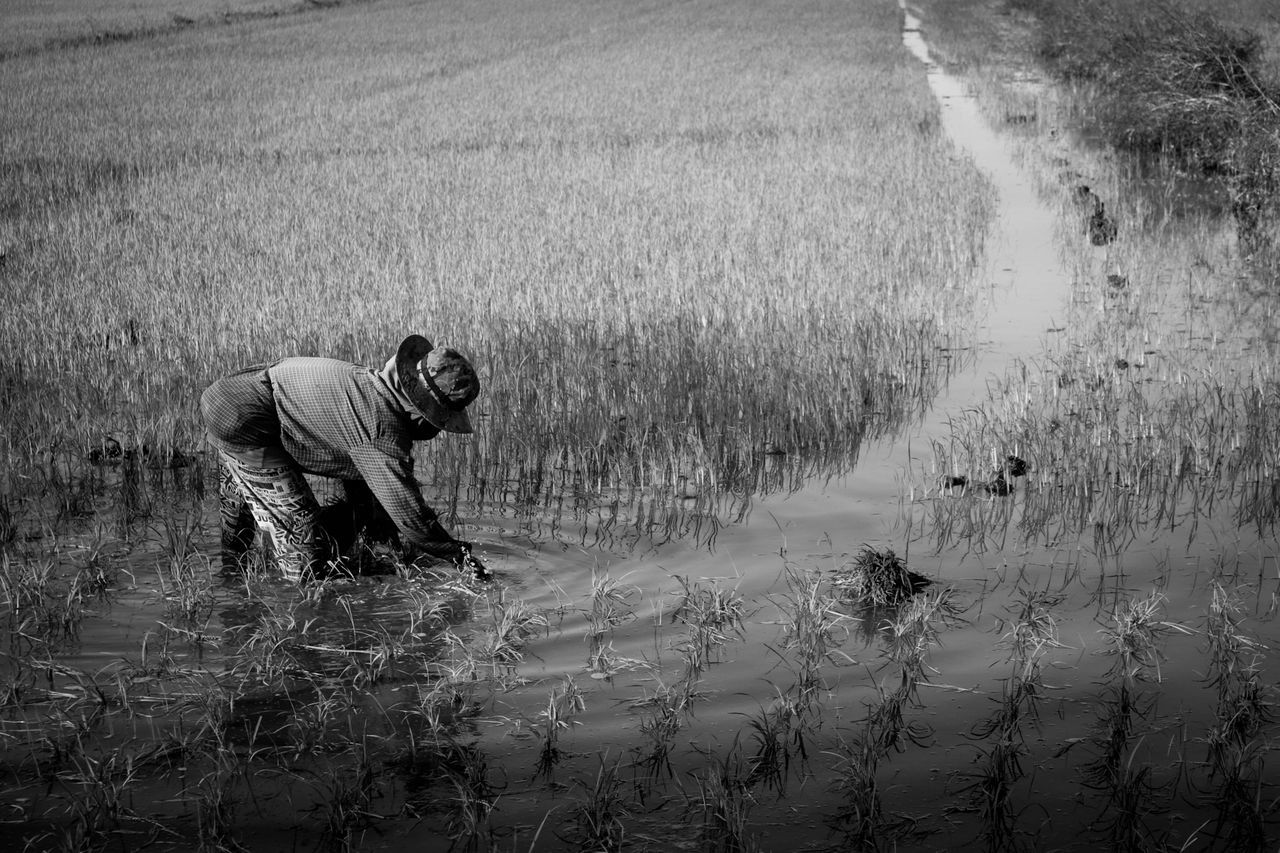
point(879, 578)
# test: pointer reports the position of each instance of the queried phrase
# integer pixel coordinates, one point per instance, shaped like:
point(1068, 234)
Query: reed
point(346, 801)
point(563, 704)
point(217, 801)
point(610, 607)
point(8, 522)
point(1237, 746)
point(370, 654)
point(779, 734)
point(813, 628)
point(860, 818)
point(715, 616)
point(661, 720)
point(885, 729)
point(101, 569)
point(313, 727)
point(723, 801)
point(914, 630)
point(43, 609)
point(474, 796)
point(597, 819)
point(500, 645)
point(1133, 637)
point(102, 803)
point(1030, 632)
point(267, 647)
point(1235, 660)
point(185, 575)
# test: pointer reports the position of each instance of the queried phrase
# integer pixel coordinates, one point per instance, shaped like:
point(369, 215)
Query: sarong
point(281, 504)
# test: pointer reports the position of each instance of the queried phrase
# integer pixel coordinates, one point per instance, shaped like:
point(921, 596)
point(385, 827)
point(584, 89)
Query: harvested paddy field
point(842, 490)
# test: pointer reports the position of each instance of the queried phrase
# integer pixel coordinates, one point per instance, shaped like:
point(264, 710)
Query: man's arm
point(391, 480)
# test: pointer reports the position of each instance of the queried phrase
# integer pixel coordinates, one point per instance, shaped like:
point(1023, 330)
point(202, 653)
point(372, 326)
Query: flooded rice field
point(1071, 666)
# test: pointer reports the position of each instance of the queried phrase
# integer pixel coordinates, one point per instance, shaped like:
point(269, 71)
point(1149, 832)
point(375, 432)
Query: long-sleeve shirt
point(335, 419)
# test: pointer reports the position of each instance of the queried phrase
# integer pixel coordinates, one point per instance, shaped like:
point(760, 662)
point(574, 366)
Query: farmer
point(271, 423)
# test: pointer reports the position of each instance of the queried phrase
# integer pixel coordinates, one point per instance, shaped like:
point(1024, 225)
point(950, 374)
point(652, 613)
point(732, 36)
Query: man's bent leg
point(283, 505)
point(237, 520)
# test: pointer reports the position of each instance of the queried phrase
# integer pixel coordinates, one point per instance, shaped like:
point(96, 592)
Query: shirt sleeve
point(390, 478)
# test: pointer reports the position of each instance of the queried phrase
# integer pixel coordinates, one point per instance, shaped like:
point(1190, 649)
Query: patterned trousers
point(279, 501)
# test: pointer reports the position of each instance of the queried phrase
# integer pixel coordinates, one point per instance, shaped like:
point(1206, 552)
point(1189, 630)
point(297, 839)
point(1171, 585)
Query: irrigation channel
point(599, 685)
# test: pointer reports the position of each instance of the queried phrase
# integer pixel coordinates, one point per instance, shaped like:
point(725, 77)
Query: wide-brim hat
point(439, 381)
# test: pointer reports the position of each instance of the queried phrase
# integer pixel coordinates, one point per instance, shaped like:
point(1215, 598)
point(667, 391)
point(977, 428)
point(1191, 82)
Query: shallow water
point(545, 562)
point(827, 521)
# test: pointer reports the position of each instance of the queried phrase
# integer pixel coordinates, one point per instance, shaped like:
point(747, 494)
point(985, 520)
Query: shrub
point(1175, 83)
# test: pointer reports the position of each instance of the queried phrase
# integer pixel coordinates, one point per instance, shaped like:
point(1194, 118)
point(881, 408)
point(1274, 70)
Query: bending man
point(273, 423)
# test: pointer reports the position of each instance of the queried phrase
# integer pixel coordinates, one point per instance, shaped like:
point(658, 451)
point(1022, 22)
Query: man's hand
point(469, 562)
